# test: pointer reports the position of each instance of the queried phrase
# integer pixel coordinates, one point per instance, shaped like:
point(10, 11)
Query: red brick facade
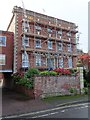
point(6, 56)
point(7, 50)
point(39, 29)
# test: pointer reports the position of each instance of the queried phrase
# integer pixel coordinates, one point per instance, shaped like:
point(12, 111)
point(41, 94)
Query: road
point(70, 111)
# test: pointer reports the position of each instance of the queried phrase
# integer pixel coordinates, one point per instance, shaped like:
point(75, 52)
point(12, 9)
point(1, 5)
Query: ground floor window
point(50, 63)
point(2, 59)
point(70, 62)
point(38, 60)
point(25, 60)
point(60, 62)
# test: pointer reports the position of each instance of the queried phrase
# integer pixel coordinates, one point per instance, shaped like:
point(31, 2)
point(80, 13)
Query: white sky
point(70, 10)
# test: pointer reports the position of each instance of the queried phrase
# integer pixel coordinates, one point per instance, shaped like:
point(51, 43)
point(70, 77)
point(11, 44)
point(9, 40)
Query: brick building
point(6, 55)
point(49, 42)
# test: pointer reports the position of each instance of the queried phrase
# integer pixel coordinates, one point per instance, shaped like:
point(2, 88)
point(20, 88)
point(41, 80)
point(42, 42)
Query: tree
point(85, 60)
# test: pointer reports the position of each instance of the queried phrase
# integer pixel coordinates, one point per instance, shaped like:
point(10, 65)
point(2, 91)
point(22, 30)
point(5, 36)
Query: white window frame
point(69, 39)
point(26, 24)
point(69, 47)
point(61, 62)
point(60, 36)
point(50, 44)
point(59, 32)
point(69, 34)
point(1, 44)
point(38, 60)
point(38, 32)
point(2, 59)
point(23, 41)
point(50, 35)
point(25, 61)
point(70, 62)
point(39, 44)
point(37, 27)
point(49, 30)
point(58, 47)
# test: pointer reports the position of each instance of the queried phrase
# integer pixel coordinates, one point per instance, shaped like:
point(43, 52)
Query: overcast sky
point(70, 10)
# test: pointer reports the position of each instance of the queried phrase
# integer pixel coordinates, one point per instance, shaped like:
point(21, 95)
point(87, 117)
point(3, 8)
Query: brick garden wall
point(53, 86)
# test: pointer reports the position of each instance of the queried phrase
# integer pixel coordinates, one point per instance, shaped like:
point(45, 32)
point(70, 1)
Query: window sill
point(38, 47)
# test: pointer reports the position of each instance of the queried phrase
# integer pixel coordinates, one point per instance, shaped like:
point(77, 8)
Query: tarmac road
point(79, 110)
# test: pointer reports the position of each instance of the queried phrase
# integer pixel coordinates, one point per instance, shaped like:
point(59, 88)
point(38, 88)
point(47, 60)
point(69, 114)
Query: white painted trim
point(5, 70)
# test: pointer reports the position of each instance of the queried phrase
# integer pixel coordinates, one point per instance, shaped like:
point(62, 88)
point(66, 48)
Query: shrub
point(44, 73)
point(73, 71)
point(85, 90)
point(25, 82)
point(62, 71)
point(51, 73)
point(73, 90)
point(31, 72)
point(25, 79)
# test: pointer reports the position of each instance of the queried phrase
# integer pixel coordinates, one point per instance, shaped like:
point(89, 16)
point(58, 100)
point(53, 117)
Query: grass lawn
point(63, 97)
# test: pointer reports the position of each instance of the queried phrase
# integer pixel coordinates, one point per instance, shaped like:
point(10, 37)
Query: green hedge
point(50, 73)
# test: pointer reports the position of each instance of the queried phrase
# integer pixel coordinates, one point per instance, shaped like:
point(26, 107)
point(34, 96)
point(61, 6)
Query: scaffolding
point(56, 26)
point(25, 59)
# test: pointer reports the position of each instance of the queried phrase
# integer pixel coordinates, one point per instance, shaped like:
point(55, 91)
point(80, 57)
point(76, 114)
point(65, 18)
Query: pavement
point(15, 104)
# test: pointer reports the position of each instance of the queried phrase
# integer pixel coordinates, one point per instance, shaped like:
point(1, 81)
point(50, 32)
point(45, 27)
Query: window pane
point(49, 30)
point(38, 27)
point(59, 46)
point(60, 62)
point(50, 44)
point(2, 41)
point(38, 60)
point(25, 60)
point(38, 43)
point(50, 63)
point(2, 59)
point(25, 41)
point(69, 47)
point(70, 62)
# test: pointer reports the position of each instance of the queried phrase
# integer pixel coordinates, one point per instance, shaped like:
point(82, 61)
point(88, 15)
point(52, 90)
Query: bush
point(73, 90)
point(85, 90)
point(51, 73)
point(31, 72)
point(62, 71)
point(25, 79)
point(25, 82)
